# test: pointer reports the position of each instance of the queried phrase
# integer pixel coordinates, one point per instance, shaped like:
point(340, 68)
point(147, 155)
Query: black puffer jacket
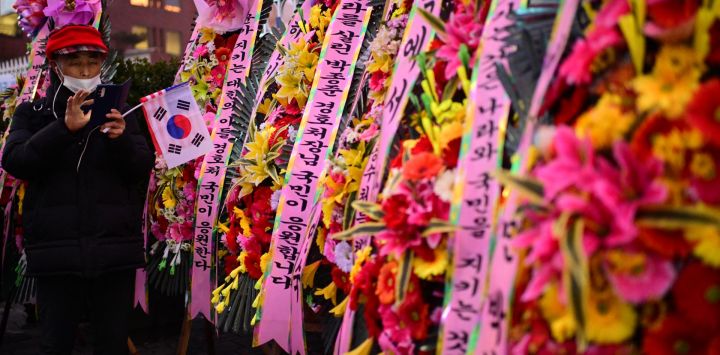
point(82, 211)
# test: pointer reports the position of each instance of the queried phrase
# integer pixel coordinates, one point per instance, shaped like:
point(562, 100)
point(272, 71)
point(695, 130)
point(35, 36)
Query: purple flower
point(344, 256)
point(72, 12)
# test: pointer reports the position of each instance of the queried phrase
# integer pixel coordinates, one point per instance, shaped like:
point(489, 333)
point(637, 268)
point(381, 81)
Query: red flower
point(423, 145)
point(422, 166)
point(395, 208)
point(222, 54)
point(414, 315)
point(218, 74)
point(642, 140)
point(714, 56)
point(229, 42)
point(230, 263)
point(341, 279)
point(252, 264)
point(451, 152)
point(697, 296)
point(703, 112)
point(666, 243)
point(386, 283)
point(674, 336)
point(364, 285)
point(706, 187)
point(671, 13)
point(377, 80)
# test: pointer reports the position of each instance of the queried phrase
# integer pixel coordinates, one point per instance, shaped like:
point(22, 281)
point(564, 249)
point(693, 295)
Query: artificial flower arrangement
point(620, 232)
point(254, 194)
point(397, 282)
point(173, 192)
point(326, 277)
point(31, 16)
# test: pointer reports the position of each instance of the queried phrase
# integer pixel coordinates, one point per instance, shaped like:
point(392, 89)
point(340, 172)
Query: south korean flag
point(176, 125)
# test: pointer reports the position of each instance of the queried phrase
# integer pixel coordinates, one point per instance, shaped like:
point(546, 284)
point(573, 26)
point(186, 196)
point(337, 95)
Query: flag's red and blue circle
point(179, 126)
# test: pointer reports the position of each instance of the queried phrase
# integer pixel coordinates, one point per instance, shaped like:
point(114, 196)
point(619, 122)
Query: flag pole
point(131, 110)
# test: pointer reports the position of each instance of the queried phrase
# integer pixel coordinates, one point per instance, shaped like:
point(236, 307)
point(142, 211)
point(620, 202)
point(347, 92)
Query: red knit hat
point(73, 38)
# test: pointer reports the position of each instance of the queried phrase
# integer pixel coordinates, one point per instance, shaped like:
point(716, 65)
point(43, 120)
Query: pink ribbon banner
point(476, 191)
point(495, 315)
point(214, 167)
point(281, 312)
point(37, 59)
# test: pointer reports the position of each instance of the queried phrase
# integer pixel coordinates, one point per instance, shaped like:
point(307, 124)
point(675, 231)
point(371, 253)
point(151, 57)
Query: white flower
point(444, 185)
point(275, 199)
point(292, 134)
point(344, 256)
point(210, 46)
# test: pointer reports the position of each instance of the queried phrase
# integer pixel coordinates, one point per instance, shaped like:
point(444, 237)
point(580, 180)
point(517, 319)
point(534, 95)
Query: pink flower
point(651, 281)
point(632, 185)
point(369, 133)
point(576, 68)
point(218, 75)
point(181, 231)
point(200, 51)
point(573, 165)
point(82, 13)
point(395, 338)
point(463, 28)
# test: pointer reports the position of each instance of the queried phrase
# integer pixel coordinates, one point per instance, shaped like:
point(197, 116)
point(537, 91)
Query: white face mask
point(75, 84)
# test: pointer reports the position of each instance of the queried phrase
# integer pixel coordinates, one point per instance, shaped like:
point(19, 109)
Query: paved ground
point(22, 337)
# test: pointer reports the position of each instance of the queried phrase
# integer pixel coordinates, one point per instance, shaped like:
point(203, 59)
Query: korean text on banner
point(476, 190)
point(281, 314)
point(494, 319)
point(212, 178)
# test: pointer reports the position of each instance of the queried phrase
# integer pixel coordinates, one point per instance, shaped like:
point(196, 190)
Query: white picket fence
point(10, 69)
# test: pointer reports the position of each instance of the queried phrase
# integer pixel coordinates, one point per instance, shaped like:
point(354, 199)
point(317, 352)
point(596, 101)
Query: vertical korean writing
point(476, 190)
point(282, 321)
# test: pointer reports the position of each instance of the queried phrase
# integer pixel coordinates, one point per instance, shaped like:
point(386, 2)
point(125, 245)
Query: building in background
point(151, 29)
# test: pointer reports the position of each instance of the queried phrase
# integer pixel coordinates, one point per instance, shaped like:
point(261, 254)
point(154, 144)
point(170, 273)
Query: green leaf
point(434, 22)
point(272, 171)
point(372, 210)
point(439, 226)
point(365, 228)
point(674, 217)
point(575, 274)
point(528, 187)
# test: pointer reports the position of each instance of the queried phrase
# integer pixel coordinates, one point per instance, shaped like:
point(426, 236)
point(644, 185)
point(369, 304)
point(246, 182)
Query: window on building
point(8, 25)
point(172, 5)
point(143, 3)
point(141, 32)
point(172, 42)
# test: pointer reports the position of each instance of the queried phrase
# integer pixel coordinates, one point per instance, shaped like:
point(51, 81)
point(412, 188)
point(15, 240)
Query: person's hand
point(116, 126)
point(75, 119)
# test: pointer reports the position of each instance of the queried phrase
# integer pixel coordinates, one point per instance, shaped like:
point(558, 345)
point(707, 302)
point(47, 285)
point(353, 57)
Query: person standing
point(82, 213)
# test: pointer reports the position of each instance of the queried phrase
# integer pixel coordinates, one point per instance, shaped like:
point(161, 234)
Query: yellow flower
point(606, 122)
point(291, 87)
point(562, 324)
point(264, 261)
point(206, 35)
point(329, 293)
point(319, 21)
point(168, 198)
point(450, 132)
point(672, 147)
point(447, 111)
point(427, 269)
point(703, 166)
point(244, 221)
point(339, 310)
point(707, 244)
point(382, 62)
point(308, 275)
point(307, 62)
point(320, 241)
point(264, 107)
point(609, 319)
point(260, 144)
point(671, 84)
point(241, 259)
